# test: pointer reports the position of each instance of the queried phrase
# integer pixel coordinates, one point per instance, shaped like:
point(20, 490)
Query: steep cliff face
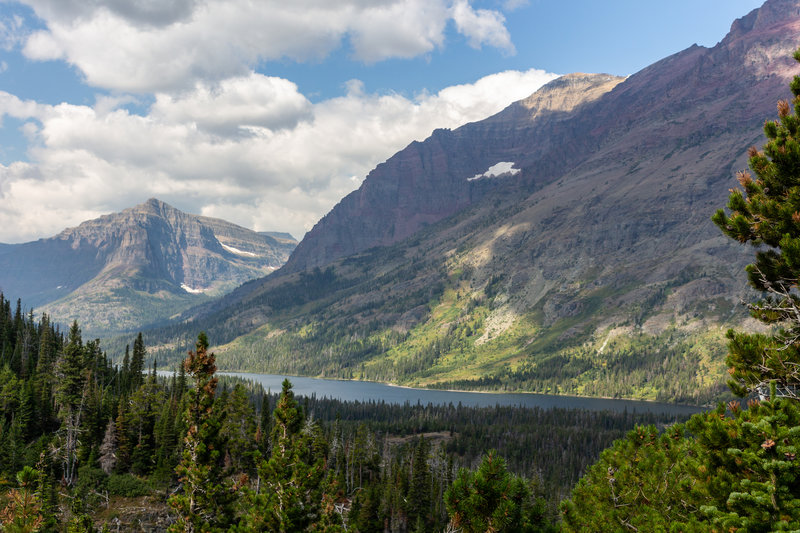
point(431, 180)
point(689, 98)
point(165, 243)
point(146, 256)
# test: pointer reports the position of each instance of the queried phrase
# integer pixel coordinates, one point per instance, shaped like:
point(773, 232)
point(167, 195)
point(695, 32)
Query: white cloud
point(148, 46)
point(400, 29)
point(12, 31)
point(292, 167)
point(22, 109)
point(248, 101)
point(482, 26)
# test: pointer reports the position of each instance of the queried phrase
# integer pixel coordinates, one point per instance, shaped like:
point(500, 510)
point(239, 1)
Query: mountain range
point(124, 270)
point(562, 245)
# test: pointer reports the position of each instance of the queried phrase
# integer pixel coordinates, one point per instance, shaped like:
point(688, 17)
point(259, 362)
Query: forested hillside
point(85, 443)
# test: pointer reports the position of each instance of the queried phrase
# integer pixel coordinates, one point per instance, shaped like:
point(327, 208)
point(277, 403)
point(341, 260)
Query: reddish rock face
point(700, 95)
point(429, 181)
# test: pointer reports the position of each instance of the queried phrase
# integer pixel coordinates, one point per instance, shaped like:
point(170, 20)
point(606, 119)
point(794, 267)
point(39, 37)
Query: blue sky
point(267, 113)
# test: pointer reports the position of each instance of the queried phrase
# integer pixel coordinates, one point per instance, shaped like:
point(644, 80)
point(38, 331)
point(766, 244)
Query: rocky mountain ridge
point(434, 179)
point(151, 255)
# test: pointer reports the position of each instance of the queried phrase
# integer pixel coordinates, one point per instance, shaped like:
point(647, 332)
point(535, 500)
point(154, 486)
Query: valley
point(576, 313)
point(589, 266)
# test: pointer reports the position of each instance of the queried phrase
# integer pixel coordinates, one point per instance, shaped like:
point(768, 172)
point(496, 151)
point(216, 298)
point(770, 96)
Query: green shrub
point(127, 485)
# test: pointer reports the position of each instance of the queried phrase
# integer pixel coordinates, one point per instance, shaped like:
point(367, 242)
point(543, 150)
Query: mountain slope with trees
point(592, 270)
point(732, 469)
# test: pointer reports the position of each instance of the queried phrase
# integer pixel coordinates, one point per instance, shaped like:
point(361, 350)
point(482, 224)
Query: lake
point(364, 391)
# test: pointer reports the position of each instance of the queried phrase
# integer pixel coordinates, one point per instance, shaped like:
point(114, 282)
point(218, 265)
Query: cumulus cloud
point(294, 163)
point(482, 26)
point(400, 29)
point(150, 45)
point(236, 104)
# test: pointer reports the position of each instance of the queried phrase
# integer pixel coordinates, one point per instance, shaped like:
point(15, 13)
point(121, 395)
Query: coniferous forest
point(87, 445)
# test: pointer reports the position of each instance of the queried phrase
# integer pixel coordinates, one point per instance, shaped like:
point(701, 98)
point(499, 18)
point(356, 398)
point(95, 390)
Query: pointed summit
point(130, 268)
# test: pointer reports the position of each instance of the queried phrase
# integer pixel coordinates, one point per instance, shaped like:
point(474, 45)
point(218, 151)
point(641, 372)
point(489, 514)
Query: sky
point(267, 112)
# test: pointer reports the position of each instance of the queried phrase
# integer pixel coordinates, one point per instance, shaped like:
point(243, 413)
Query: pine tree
point(137, 362)
point(492, 499)
point(23, 514)
point(290, 492)
point(643, 482)
point(125, 372)
point(123, 438)
point(419, 494)
point(205, 503)
point(749, 465)
point(71, 397)
point(238, 430)
point(766, 214)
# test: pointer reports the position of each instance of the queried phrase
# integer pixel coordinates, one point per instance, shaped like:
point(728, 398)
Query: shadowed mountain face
point(564, 244)
point(151, 256)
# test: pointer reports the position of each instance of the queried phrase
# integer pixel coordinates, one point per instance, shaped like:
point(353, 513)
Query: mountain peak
point(567, 92)
point(158, 255)
point(155, 202)
point(771, 13)
point(155, 206)
point(774, 12)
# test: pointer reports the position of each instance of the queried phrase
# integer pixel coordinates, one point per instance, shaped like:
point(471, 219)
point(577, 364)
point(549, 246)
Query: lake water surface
point(367, 391)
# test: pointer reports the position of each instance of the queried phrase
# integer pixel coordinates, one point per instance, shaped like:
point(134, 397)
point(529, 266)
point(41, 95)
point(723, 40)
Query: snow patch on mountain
point(503, 168)
point(191, 290)
point(237, 251)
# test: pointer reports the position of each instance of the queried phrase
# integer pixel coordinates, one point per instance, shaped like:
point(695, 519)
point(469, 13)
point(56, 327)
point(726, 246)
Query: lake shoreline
point(360, 390)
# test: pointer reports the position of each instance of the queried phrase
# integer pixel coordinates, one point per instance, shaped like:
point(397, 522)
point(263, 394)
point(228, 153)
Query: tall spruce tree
point(290, 493)
point(766, 214)
point(71, 399)
point(137, 362)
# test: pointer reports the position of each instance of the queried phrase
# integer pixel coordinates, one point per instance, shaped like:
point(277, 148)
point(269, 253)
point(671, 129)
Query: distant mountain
point(562, 245)
point(136, 267)
point(280, 235)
